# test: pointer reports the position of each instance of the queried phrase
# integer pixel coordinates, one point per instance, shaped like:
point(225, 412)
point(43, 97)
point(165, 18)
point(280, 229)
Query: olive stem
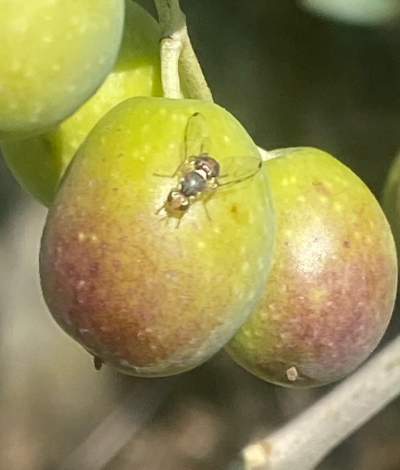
point(178, 58)
point(119, 427)
point(170, 52)
point(307, 439)
point(177, 55)
point(265, 155)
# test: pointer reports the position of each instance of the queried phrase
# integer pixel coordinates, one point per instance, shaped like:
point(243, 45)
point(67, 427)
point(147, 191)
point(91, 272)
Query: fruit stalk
point(306, 440)
point(177, 54)
point(179, 59)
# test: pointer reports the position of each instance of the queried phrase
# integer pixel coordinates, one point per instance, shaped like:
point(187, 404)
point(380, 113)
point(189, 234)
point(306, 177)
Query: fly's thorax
point(193, 183)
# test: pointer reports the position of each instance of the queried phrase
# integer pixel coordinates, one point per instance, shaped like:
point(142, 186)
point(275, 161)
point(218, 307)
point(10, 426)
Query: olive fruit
point(391, 200)
point(332, 286)
point(38, 163)
point(119, 275)
point(54, 54)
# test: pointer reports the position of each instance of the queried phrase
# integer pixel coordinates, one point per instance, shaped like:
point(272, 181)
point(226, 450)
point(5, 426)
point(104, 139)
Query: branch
point(306, 440)
point(177, 54)
point(120, 426)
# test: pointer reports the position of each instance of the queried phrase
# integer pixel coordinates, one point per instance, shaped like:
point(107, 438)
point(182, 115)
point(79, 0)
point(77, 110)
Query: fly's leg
point(206, 198)
point(166, 218)
point(206, 211)
point(160, 209)
point(179, 168)
point(166, 176)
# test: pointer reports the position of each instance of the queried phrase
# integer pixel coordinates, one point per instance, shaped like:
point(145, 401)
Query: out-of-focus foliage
point(366, 12)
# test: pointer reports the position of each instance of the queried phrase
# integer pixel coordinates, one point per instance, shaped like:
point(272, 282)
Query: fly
point(199, 173)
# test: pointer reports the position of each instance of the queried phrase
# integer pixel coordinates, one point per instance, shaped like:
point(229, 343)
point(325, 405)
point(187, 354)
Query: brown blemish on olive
point(321, 188)
point(236, 213)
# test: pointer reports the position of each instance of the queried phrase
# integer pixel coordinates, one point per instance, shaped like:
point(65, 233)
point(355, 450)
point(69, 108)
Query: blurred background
point(316, 73)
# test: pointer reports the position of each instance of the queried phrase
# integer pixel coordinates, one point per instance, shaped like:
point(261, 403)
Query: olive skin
point(38, 163)
point(332, 287)
point(118, 275)
point(391, 200)
point(53, 57)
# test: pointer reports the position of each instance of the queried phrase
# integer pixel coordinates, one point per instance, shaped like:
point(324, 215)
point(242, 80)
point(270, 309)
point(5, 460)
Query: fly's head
point(177, 203)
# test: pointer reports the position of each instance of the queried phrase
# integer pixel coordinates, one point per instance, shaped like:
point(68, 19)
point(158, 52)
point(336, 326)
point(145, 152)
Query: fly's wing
point(234, 170)
point(197, 139)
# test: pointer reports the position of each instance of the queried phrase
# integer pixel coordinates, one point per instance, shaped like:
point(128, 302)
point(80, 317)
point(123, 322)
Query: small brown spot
point(346, 244)
point(321, 188)
point(234, 209)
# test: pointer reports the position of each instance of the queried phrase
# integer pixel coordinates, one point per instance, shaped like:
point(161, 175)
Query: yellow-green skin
point(54, 54)
point(38, 163)
point(332, 287)
point(391, 200)
point(147, 297)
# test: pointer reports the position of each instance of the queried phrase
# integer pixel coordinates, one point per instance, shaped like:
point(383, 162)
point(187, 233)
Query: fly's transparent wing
point(196, 142)
point(197, 139)
point(234, 170)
